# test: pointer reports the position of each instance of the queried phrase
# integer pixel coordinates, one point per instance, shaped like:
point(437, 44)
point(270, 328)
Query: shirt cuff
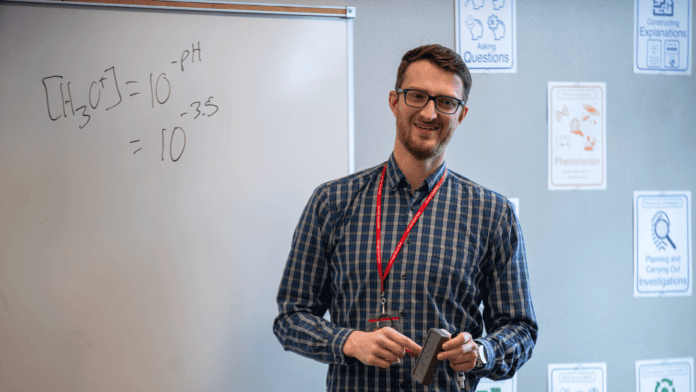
point(490, 357)
point(339, 340)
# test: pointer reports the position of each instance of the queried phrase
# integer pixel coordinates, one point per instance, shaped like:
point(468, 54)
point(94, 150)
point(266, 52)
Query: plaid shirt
point(467, 248)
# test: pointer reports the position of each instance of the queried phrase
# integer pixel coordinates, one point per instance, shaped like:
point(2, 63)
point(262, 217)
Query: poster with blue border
point(662, 37)
point(662, 242)
point(486, 35)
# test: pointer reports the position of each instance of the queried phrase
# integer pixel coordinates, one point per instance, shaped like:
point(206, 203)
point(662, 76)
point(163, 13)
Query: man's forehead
point(425, 73)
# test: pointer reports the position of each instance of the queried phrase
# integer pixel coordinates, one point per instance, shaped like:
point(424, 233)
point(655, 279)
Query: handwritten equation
point(108, 93)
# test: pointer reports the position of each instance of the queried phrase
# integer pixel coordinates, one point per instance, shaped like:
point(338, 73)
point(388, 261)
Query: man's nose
point(428, 111)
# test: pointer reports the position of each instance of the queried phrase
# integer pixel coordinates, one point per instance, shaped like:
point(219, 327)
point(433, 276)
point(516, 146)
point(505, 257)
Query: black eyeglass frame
point(430, 98)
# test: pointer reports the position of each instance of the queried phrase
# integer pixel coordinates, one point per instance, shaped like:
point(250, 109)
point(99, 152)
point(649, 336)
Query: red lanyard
point(383, 276)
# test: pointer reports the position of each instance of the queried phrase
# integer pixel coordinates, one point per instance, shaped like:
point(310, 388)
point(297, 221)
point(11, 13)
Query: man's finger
point(462, 367)
point(390, 340)
point(386, 355)
point(458, 340)
point(468, 349)
point(459, 345)
point(404, 342)
point(378, 361)
point(460, 358)
point(459, 348)
point(403, 354)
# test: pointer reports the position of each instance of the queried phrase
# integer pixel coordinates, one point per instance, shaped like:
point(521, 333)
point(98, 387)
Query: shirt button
point(408, 240)
point(402, 313)
point(403, 276)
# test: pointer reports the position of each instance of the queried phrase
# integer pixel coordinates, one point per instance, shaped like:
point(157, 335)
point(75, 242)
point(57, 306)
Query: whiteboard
point(153, 166)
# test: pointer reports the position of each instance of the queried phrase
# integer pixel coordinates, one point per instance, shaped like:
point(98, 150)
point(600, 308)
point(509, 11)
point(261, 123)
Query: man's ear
point(393, 101)
point(465, 110)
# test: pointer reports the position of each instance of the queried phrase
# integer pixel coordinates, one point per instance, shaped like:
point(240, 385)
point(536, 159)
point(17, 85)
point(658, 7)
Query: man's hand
point(461, 352)
point(380, 348)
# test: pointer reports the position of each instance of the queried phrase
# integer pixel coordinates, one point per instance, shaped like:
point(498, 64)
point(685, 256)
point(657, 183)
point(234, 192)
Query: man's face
point(424, 132)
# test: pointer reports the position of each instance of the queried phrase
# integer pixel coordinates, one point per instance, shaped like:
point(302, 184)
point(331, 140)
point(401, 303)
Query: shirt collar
point(397, 179)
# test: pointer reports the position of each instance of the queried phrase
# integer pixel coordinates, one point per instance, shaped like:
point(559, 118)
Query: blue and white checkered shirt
point(467, 248)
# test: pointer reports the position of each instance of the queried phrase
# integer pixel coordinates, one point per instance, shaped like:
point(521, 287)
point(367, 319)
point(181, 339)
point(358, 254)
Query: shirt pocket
point(453, 273)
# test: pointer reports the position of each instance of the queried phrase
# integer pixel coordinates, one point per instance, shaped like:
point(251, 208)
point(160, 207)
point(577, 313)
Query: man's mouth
point(426, 127)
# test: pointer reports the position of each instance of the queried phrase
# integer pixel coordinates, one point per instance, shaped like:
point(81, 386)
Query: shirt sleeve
point(304, 294)
point(508, 312)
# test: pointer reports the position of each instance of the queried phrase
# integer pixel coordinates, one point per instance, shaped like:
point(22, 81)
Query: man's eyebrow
point(425, 91)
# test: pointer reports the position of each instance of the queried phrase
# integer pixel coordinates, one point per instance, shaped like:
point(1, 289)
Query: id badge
point(381, 320)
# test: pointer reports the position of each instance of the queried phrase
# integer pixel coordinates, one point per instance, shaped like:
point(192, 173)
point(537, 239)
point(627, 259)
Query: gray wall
point(579, 244)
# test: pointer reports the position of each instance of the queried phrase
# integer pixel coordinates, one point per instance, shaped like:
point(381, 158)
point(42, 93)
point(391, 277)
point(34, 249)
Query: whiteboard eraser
point(427, 362)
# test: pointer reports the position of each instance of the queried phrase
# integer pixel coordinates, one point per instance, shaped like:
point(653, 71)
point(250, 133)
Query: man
point(443, 246)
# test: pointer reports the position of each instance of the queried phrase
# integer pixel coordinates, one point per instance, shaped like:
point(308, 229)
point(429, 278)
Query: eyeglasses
point(418, 99)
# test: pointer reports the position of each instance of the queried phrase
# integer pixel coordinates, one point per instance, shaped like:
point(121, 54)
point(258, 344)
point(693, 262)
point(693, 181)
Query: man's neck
point(416, 170)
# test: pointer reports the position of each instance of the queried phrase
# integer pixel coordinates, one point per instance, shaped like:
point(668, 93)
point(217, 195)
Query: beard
point(418, 149)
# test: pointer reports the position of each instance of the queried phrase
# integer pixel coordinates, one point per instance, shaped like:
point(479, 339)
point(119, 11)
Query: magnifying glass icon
point(661, 228)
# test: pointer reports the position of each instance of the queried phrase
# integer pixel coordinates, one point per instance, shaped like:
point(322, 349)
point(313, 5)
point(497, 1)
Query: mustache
point(426, 122)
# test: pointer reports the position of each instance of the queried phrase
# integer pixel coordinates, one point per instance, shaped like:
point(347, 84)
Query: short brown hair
point(441, 56)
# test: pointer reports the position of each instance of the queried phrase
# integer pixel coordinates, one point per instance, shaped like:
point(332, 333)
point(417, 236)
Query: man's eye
point(448, 102)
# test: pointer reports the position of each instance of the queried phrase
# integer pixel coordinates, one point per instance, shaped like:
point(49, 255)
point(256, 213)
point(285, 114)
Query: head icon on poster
point(497, 27)
point(475, 27)
point(660, 231)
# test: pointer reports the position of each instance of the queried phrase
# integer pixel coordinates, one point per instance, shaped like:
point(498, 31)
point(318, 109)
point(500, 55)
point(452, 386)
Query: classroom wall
point(579, 243)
